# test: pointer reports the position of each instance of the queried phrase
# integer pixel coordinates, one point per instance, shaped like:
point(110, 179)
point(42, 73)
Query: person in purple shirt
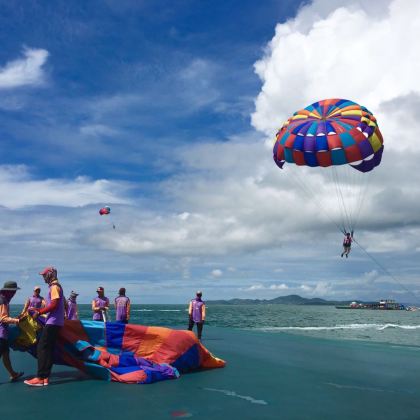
point(71, 310)
point(6, 294)
point(100, 306)
point(34, 301)
point(122, 307)
point(197, 314)
point(53, 324)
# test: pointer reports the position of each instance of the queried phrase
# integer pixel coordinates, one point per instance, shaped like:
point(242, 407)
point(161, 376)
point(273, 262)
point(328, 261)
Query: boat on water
point(383, 304)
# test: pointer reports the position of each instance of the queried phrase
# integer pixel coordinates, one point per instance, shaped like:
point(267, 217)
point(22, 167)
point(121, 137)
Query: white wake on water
point(156, 310)
point(378, 327)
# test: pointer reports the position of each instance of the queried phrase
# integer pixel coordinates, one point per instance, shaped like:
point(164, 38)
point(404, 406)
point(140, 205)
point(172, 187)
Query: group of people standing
point(100, 305)
point(56, 309)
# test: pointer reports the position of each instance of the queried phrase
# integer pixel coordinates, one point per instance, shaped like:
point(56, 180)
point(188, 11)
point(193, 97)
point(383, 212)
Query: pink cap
point(47, 270)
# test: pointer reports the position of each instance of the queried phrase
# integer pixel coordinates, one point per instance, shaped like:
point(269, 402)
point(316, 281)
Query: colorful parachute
point(330, 132)
point(105, 210)
point(121, 352)
point(333, 133)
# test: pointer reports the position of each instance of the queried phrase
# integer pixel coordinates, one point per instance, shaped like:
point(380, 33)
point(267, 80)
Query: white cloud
point(26, 71)
point(98, 130)
point(282, 286)
point(350, 52)
point(19, 189)
point(217, 273)
point(253, 288)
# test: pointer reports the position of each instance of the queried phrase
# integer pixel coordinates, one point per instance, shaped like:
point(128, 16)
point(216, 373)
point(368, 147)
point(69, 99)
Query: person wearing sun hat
point(34, 301)
point(53, 324)
point(7, 292)
point(72, 311)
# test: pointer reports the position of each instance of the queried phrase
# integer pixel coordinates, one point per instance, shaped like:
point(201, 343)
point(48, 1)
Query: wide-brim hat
point(74, 294)
point(10, 286)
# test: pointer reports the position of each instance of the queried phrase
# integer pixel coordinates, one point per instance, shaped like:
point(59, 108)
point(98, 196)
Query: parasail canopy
point(338, 140)
point(330, 132)
point(105, 210)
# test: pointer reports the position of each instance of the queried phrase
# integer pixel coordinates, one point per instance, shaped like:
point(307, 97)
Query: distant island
point(281, 300)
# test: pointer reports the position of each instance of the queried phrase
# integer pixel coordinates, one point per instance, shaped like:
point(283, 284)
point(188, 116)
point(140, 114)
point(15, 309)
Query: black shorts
point(4, 346)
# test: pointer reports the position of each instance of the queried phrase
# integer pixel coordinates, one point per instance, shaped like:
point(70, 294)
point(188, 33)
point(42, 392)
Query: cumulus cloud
point(217, 273)
point(25, 71)
point(18, 188)
point(281, 286)
point(370, 58)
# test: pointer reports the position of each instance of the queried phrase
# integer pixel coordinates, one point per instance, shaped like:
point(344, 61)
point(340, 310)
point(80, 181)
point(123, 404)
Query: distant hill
point(281, 300)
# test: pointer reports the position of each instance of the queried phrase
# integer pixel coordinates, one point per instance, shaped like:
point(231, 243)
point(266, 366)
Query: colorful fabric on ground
point(330, 132)
point(124, 352)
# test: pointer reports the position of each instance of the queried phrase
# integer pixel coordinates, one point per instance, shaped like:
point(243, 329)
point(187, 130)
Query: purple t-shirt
point(72, 310)
point(56, 317)
point(196, 310)
point(100, 303)
point(122, 303)
point(35, 302)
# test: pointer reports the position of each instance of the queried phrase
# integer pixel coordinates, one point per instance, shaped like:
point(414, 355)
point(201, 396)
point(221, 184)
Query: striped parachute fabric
point(113, 351)
point(330, 132)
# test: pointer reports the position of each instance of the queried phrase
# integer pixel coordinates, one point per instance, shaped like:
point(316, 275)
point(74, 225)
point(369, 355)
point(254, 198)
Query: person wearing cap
point(6, 294)
point(53, 324)
point(197, 314)
point(100, 305)
point(34, 301)
point(71, 310)
point(122, 307)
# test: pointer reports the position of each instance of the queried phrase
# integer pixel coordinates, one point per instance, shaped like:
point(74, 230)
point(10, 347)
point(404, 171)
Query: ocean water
point(395, 327)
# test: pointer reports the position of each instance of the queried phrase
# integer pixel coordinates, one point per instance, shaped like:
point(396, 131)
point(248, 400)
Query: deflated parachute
point(121, 352)
point(337, 134)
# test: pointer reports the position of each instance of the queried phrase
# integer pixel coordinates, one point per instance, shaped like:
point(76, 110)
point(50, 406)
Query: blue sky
point(166, 112)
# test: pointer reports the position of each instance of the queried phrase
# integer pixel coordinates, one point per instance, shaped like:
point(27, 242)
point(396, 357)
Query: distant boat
point(383, 304)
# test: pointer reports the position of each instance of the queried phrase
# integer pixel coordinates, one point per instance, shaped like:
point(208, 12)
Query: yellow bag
point(28, 328)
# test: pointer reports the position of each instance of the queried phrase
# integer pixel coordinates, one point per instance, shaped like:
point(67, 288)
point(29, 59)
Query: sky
point(167, 111)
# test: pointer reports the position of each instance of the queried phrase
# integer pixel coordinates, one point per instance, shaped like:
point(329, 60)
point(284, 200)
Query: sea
point(390, 326)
